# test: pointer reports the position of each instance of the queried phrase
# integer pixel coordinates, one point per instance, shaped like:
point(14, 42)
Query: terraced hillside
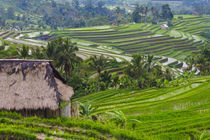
point(176, 42)
point(177, 113)
point(192, 24)
point(136, 38)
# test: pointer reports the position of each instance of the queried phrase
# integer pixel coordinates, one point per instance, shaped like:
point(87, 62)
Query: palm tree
point(86, 109)
point(51, 48)
point(99, 64)
point(190, 62)
point(63, 52)
point(136, 14)
point(38, 53)
point(144, 70)
point(136, 69)
point(146, 10)
point(150, 63)
point(66, 56)
point(24, 52)
point(106, 78)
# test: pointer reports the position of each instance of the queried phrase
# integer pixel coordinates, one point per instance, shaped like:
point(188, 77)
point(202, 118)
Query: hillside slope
point(14, 126)
point(168, 113)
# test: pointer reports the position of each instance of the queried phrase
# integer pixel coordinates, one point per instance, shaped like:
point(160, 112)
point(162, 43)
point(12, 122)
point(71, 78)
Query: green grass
point(14, 125)
point(167, 113)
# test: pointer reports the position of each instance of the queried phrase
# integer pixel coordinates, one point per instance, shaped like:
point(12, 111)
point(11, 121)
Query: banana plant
point(120, 119)
point(86, 109)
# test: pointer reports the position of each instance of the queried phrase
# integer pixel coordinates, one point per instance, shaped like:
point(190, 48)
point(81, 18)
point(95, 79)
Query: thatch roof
point(31, 84)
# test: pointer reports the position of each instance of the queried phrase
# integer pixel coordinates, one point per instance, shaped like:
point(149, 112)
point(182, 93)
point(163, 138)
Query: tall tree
point(2, 22)
point(98, 63)
point(66, 56)
point(100, 4)
point(144, 70)
point(75, 4)
point(89, 4)
point(24, 52)
point(145, 12)
point(119, 15)
point(51, 49)
point(166, 12)
point(136, 14)
point(10, 13)
point(63, 52)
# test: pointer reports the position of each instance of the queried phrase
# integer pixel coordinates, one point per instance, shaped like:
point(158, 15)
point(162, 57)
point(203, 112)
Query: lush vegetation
point(137, 38)
point(180, 112)
point(143, 75)
point(35, 14)
point(141, 72)
point(15, 126)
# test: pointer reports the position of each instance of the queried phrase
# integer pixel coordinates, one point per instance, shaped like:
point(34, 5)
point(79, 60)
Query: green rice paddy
point(168, 113)
point(178, 41)
point(146, 38)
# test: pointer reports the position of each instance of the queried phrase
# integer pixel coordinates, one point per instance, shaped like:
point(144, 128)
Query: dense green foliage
point(143, 95)
point(11, 52)
point(151, 14)
point(63, 52)
point(144, 72)
point(201, 60)
point(43, 14)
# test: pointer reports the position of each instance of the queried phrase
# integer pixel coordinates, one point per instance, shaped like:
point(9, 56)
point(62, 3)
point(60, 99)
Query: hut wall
point(66, 111)
point(43, 113)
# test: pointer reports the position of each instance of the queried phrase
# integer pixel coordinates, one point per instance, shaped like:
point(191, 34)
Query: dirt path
point(43, 137)
point(81, 56)
point(24, 42)
point(18, 37)
point(170, 60)
point(128, 58)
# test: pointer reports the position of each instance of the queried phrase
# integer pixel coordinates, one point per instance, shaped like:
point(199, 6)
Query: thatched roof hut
point(32, 87)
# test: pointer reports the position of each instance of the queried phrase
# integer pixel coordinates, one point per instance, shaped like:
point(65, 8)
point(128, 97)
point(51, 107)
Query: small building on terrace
point(33, 87)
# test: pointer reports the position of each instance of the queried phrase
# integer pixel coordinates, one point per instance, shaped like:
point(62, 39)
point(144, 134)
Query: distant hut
point(195, 13)
point(33, 87)
point(164, 27)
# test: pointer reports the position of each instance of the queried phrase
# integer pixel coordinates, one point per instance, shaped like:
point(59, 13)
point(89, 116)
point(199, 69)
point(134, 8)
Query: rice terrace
point(105, 70)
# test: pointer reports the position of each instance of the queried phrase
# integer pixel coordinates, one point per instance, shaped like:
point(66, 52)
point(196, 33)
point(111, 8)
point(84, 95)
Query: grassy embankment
point(166, 113)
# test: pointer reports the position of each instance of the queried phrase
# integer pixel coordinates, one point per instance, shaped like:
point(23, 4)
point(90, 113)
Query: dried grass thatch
point(31, 84)
point(66, 92)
